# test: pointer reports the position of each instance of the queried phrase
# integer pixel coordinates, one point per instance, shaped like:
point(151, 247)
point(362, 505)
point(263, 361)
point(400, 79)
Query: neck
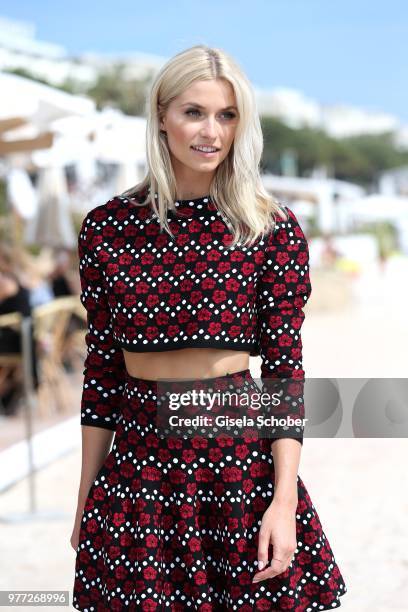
point(192, 195)
point(190, 184)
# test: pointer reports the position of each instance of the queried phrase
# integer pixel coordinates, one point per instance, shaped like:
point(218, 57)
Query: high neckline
point(192, 203)
point(188, 208)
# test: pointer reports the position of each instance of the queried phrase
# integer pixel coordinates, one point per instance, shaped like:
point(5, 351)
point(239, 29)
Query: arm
point(284, 290)
point(104, 366)
point(286, 459)
point(104, 371)
point(96, 444)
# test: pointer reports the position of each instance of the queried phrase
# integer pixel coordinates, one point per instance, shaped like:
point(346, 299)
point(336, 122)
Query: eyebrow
point(199, 106)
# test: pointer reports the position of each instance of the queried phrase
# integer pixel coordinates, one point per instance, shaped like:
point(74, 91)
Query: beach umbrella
point(53, 225)
point(21, 193)
point(40, 104)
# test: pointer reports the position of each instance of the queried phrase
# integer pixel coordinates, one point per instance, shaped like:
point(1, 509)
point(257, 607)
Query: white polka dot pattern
point(173, 523)
point(145, 291)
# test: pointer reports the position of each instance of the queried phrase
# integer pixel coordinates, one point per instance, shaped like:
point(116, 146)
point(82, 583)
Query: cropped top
point(146, 291)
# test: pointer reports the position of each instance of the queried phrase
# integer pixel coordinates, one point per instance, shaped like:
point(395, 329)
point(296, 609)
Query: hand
point(75, 536)
point(77, 526)
point(278, 527)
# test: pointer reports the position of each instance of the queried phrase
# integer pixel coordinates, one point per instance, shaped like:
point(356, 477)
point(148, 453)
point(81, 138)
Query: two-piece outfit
point(173, 523)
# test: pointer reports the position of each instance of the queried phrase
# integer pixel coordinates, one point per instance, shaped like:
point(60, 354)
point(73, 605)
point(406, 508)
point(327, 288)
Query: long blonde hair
point(236, 188)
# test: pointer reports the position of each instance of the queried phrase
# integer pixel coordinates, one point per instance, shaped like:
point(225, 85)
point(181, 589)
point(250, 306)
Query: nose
point(209, 128)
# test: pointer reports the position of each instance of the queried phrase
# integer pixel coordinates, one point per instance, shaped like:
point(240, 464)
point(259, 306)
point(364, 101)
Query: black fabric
point(10, 338)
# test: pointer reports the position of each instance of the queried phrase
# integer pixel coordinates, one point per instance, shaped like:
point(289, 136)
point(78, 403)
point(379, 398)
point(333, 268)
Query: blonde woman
point(184, 277)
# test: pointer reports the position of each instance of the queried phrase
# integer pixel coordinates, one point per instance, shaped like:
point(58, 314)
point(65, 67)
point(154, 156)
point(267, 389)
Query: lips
point(215, 149)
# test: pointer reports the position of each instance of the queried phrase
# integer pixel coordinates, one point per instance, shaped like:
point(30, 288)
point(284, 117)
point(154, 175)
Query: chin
point(204, 165)
point(206, 162)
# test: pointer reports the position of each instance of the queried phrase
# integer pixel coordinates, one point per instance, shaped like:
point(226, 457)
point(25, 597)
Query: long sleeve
point(104, 366)
point(284, 289)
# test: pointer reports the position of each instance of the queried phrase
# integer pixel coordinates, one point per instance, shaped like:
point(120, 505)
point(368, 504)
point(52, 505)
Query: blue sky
point(352, 52)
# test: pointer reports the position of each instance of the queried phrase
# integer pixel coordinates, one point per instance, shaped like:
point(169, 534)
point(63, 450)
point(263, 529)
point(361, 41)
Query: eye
point(192, 110)
point(228, 114)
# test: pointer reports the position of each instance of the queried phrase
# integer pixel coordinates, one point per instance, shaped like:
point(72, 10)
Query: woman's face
point(204, 114)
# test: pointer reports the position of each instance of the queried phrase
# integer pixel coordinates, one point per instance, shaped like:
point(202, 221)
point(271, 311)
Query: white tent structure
point(377, 208)
point(38, 104)
point(21, 193)
point(108, 137)
point(120, 138)
point(27, 112)
point(53, 225)
point(47, 128)
point(303, 208)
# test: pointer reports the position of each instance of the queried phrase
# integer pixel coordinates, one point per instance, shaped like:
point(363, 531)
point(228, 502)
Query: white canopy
point(378, 207)
point(38, 103)
point(108, 136)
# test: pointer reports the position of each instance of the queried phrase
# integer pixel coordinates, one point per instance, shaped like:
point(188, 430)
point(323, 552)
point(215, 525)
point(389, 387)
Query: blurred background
point(331, 88)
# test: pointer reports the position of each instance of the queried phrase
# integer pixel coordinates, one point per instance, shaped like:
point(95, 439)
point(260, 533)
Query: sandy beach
point(357, 485)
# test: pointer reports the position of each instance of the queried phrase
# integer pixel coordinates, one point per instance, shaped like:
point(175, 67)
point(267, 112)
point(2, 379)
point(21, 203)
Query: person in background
point(14, 297)
point(61, 278)
point(329, 253)
point(64, 281)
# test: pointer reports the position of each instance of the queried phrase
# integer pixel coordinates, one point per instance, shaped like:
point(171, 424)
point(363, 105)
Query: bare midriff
point(197, 363)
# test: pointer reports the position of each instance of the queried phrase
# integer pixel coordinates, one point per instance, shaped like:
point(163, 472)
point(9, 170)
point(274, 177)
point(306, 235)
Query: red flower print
point(127, 469)
point(151, 473)
point(232, 285)
point(114, 552)
point(178, 476)
point(204, 475)
point(219, 296)
point(234, 331)
point(118, 518)
point(151, 332)
point(214, 328)
point(92, 526)
point(186, 511)
point(200, 578)
point(189, 503)
point(287, 603)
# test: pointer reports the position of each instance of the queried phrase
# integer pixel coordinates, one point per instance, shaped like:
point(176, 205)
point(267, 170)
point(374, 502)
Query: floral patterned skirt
point(172, 523)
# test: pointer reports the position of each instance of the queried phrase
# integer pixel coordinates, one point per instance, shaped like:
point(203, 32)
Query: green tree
point(359, 159)
point(113, 89)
